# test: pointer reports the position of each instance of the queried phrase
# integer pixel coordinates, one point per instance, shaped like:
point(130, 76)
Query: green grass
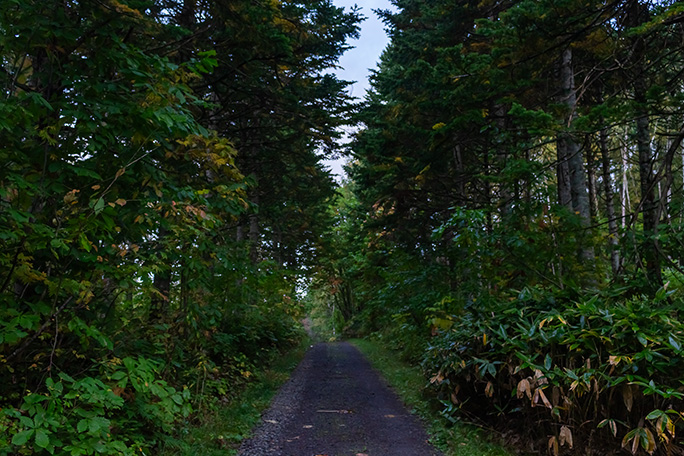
point(220, 432)
point(453, 439)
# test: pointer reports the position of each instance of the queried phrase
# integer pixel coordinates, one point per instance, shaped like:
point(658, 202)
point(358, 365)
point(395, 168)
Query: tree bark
point(610, 204)
point(592, 186)
point(161, 283)
point(625, 201)
point(570, 153)
point(505, 194)
point(254, 233)
point(647, 180)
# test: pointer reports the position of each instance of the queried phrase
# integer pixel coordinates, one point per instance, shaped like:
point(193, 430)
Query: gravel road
point(335, 404)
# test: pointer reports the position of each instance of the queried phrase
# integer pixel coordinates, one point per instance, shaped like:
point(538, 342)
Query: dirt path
point(335, 404)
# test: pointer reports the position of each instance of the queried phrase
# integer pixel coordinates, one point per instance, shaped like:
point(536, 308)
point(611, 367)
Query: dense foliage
point(138, 145)
point(514, 217)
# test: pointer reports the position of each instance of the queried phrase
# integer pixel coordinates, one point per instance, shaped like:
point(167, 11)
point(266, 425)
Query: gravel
point(335, 404)
point(267, 435)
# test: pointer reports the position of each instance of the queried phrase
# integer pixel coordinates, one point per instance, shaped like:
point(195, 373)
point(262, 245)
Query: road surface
point(335, 404)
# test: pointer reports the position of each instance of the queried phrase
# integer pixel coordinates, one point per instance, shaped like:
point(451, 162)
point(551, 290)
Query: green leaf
point(177, 399)
point(22, 437)
point(99, 206)
point(85, 172)
point(118, 375)
point(84, 242)
point(676, 345)
point(642, 339)
point(655, 414)
point(26, 421)
point(42, 439)
point(97, 423)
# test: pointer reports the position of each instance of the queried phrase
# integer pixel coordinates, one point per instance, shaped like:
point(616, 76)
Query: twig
point(25, 345)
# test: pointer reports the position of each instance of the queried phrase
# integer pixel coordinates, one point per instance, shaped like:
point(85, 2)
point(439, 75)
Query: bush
point(593, 374)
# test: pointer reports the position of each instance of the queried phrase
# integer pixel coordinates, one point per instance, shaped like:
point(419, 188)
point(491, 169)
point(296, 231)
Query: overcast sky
point(356, 63)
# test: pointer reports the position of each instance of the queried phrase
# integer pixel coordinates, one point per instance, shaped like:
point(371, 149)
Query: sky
point(357, 63)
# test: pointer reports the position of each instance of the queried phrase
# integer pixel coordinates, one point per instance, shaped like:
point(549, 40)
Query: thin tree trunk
point(592, 186)
point(638, 14)
point(610, 204)
point(647, 184)
point(505, 194)
point(460, 173)
point(563, 177)
point(624, 191)
point(161, 283)
point(254, 233)
point(570, 152)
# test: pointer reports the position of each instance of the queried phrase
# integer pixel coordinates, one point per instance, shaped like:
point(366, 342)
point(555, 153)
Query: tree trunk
point(254, 232)
point(592, 185)
point(161, 283)
point(563, 177)
point(569, 152)
point(647, 184)
point(505, 196)
point(610, 204)
point(625, 201)
point(647, 180)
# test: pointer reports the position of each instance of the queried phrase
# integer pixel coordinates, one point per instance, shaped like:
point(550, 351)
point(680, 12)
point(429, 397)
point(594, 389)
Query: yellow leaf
point(650, 442)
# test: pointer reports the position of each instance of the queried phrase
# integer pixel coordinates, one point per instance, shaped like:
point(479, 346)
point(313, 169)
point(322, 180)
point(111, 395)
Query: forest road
point(335, 404)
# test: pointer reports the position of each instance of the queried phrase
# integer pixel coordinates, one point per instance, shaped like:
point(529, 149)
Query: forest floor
point(335, 404)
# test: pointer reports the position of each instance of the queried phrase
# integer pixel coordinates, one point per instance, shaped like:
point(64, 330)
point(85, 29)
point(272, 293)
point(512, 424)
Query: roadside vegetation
point(221, 429)
point(451, 437)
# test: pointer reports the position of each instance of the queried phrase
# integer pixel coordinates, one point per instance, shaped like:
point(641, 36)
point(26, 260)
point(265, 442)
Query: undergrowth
point(597, 376)
point(220, 431)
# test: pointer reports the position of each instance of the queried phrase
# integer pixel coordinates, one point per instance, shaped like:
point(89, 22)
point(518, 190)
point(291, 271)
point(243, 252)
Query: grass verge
point(220, 431)
point(452, 439)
